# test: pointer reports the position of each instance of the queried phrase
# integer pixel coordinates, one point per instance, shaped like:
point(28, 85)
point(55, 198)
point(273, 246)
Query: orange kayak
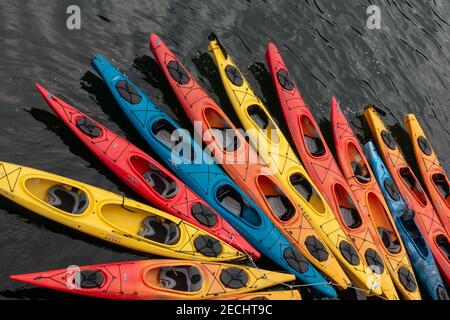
point(242, 163)
point(157, 280)
point(433, 175)
point(370, 199)
point(411, 190)
point(323, 169)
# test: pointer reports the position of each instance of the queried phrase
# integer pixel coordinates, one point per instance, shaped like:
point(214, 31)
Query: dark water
point(404, 67)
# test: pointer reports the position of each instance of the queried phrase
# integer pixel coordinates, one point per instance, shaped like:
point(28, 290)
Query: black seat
point(281, 206)
point(72, 201)
point(441, 183)
point(230, 199)
point(391, 245)
point(259, 116)
point(302, 186)
point(182, 278)
point(314, 145)
point(351, 217)
point(153, 228)
point(165, 186)
point(226, 138)
point(360, 172)
point(163, 130)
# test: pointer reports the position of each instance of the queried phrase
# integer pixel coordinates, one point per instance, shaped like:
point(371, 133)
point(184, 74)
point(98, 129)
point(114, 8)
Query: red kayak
point(157, 280)
point(144, 175)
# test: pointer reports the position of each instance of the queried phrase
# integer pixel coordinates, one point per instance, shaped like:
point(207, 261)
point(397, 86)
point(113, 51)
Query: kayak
point(364, 186)
point(324, 170)
point(412, 192)
point(266, 295)
point(199, 171)
point(419, 253)
point(110, 217)
point(156, 280)
point(273, 148)
point(244, 166)
point(432, 174)
point(144, 175)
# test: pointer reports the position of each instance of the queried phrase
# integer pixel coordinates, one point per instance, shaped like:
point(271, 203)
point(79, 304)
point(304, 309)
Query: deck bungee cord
point(247, 170)
point(280, 157)
point(199, 171)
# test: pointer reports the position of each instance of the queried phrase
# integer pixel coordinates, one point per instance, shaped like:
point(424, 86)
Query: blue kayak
point(418, 251)
point(198, 170)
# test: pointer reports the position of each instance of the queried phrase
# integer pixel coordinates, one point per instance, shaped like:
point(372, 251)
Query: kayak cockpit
point(222, 131)
point(441, 184)
point(386, 231)
point(444, 245)
point(166, 133)
point(413, 185)
point(66, 198)
point(407, 221)
point(233, 202)
point(263, 122)
point(279, 204)
point(307, 191)
point(347, 208)
point(142, 223)
point(359, 166)
point(160, 182)
point(182, 278)
point(311, 138)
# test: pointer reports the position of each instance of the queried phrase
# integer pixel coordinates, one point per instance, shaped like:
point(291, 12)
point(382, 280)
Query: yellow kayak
point(275, 150)
point(110, 217)
point(266, 295)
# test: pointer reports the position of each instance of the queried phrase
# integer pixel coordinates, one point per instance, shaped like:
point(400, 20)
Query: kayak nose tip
point(18, 277)
point(334, 103)
point(410, 118)
point(327, 290)
point(154, 39)
point(44, 92)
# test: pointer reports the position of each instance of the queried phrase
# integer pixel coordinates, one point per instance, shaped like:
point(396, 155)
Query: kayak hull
point(425, 216)
point(105, 215)
point(372, 203)
point(419, 253)
point(430, 170)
